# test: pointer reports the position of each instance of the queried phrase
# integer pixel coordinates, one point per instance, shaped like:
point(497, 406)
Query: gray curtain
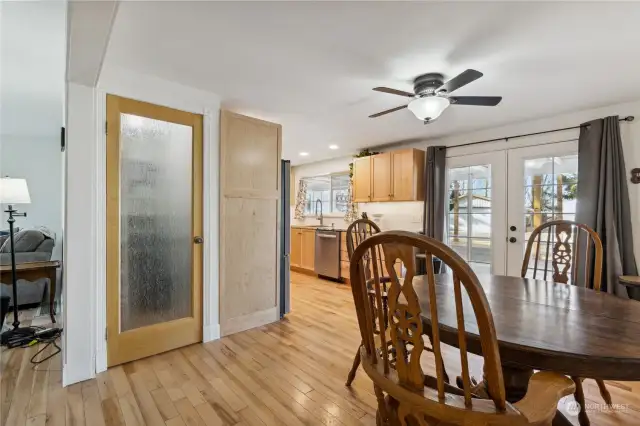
point(603, 199)
point(434, 196)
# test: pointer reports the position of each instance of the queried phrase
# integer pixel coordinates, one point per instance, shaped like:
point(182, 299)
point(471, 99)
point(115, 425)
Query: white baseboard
point(245, 322)
point(210, 332)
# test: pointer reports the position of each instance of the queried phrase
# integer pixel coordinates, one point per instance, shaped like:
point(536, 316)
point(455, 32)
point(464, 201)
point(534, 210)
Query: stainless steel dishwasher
point(327, 258)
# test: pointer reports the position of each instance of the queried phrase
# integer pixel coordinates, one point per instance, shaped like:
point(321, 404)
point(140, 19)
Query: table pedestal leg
point(516, 382)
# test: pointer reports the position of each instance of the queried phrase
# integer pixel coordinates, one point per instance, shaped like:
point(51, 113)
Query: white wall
point(401, 215)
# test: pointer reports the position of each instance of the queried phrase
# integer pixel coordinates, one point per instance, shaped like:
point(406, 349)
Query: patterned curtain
point(352, 208)
point(301, 199)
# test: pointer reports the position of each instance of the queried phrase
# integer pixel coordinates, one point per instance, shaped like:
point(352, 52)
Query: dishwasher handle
point(327, 236)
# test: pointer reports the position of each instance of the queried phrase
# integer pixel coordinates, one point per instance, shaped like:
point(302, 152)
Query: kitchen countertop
point(325, 228)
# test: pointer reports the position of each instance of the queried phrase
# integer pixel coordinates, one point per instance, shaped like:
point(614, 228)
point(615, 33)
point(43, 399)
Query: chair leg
point(604, 392)
point(579, 396)
point(382, 416)
point(354, 368)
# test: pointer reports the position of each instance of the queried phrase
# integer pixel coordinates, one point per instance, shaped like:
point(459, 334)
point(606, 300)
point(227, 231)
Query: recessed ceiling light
point(333, 147)
point(304, 154)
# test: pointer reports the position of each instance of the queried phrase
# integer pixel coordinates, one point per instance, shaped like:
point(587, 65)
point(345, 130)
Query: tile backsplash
point(406, 216)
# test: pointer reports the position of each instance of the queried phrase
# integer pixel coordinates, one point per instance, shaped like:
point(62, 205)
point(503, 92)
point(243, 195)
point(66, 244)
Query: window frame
point(330, 213)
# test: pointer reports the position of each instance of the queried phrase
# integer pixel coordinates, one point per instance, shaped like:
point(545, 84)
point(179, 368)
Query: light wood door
point(308, 249)
point(296, 247)
point(381, 170)
point(362, 180)
point(404, 176)
point(249, 222)
point(154, 228)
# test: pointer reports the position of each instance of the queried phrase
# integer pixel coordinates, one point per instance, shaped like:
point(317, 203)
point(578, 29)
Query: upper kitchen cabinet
point(362, 180)
point(407, 181)
point(381, 177)
point(390, 176)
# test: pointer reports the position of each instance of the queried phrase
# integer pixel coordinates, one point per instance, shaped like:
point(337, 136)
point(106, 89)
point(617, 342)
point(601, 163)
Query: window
point(331, 190)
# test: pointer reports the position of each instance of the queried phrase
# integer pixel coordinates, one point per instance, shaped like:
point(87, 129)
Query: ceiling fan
point(431, 95)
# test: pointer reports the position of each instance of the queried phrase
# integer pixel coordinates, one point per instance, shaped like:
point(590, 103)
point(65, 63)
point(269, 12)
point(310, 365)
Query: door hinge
point(106, 128)
point(106, 333)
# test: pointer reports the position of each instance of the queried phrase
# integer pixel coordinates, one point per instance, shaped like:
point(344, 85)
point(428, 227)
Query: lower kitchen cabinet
point(295, 256)
point(308, 249)
point(303, 248)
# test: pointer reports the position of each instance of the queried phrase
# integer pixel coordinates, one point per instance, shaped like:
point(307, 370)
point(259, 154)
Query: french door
point(154, 228)
point(496, 199)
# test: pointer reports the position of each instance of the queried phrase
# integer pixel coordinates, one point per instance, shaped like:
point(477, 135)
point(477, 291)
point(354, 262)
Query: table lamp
point(14, 191)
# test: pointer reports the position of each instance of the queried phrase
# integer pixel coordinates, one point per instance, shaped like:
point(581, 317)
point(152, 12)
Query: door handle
point(327, 236)
point(198, 240)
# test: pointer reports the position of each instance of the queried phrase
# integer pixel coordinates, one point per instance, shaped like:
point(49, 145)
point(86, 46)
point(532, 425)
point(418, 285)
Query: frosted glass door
point(155, 221)
point(154, 234)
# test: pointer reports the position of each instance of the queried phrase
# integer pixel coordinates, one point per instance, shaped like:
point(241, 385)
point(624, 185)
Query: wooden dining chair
point(570, 253)
point(405, 394)
point(357, 232)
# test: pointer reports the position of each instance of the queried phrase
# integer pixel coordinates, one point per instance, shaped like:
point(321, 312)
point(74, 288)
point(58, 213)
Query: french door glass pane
point(550, 187)
point(155, 221)
point(469, 218)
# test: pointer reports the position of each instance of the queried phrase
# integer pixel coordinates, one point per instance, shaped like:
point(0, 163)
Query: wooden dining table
point(544, 325)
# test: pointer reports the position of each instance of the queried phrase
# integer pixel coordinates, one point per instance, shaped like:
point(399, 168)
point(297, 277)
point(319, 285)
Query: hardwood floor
point(286, 373)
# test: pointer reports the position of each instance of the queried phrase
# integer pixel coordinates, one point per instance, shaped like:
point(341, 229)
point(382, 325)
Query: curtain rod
point(506, 138)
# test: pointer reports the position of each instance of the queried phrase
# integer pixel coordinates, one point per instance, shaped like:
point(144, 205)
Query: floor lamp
point(14, 191)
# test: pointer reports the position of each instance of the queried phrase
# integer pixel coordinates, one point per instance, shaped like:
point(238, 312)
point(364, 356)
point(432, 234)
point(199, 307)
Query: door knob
point(512, 240)
point(513, 228)
point(198, 240)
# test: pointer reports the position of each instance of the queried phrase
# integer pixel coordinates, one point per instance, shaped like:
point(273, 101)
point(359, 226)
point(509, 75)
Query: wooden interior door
point(154, 229)
point(381, 177)
point(296, 247)
point(403, 175)
point(249, 222)
point(362, 180)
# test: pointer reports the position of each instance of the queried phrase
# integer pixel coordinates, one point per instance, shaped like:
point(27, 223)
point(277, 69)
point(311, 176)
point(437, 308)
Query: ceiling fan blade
point(394, 91)
point(475, 100)
point(460, 80)
point(388, 111)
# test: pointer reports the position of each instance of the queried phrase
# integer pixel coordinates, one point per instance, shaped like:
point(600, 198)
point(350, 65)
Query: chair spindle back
point(571, 254)
point(405, 325)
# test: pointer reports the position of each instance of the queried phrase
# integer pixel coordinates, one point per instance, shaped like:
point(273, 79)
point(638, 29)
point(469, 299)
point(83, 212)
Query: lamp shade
point(14, 191)
point(428, 107)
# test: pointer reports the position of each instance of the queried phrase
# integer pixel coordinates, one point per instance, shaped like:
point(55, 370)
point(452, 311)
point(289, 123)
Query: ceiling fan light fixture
point(428, 107)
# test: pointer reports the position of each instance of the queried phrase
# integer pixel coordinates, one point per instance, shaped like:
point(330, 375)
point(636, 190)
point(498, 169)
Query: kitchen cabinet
point(308, 249)
point(390, 176)
point(296, 247)
point(408, 175)
point(303, 248)
point(362, 180)
point(381, 177)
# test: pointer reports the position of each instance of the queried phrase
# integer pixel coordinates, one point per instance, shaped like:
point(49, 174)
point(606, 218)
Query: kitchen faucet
point(319, 218)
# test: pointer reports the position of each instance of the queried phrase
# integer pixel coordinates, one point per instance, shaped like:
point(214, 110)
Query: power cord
point(48, 336)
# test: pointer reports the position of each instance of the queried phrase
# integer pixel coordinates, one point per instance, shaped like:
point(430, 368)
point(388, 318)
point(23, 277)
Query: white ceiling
point(311, 65)
point(32, 57)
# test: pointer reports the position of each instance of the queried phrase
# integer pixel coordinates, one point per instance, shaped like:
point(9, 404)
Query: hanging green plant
point(363, 153)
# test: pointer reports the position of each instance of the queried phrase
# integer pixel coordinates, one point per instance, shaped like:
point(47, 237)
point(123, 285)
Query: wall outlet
point(416, 219)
